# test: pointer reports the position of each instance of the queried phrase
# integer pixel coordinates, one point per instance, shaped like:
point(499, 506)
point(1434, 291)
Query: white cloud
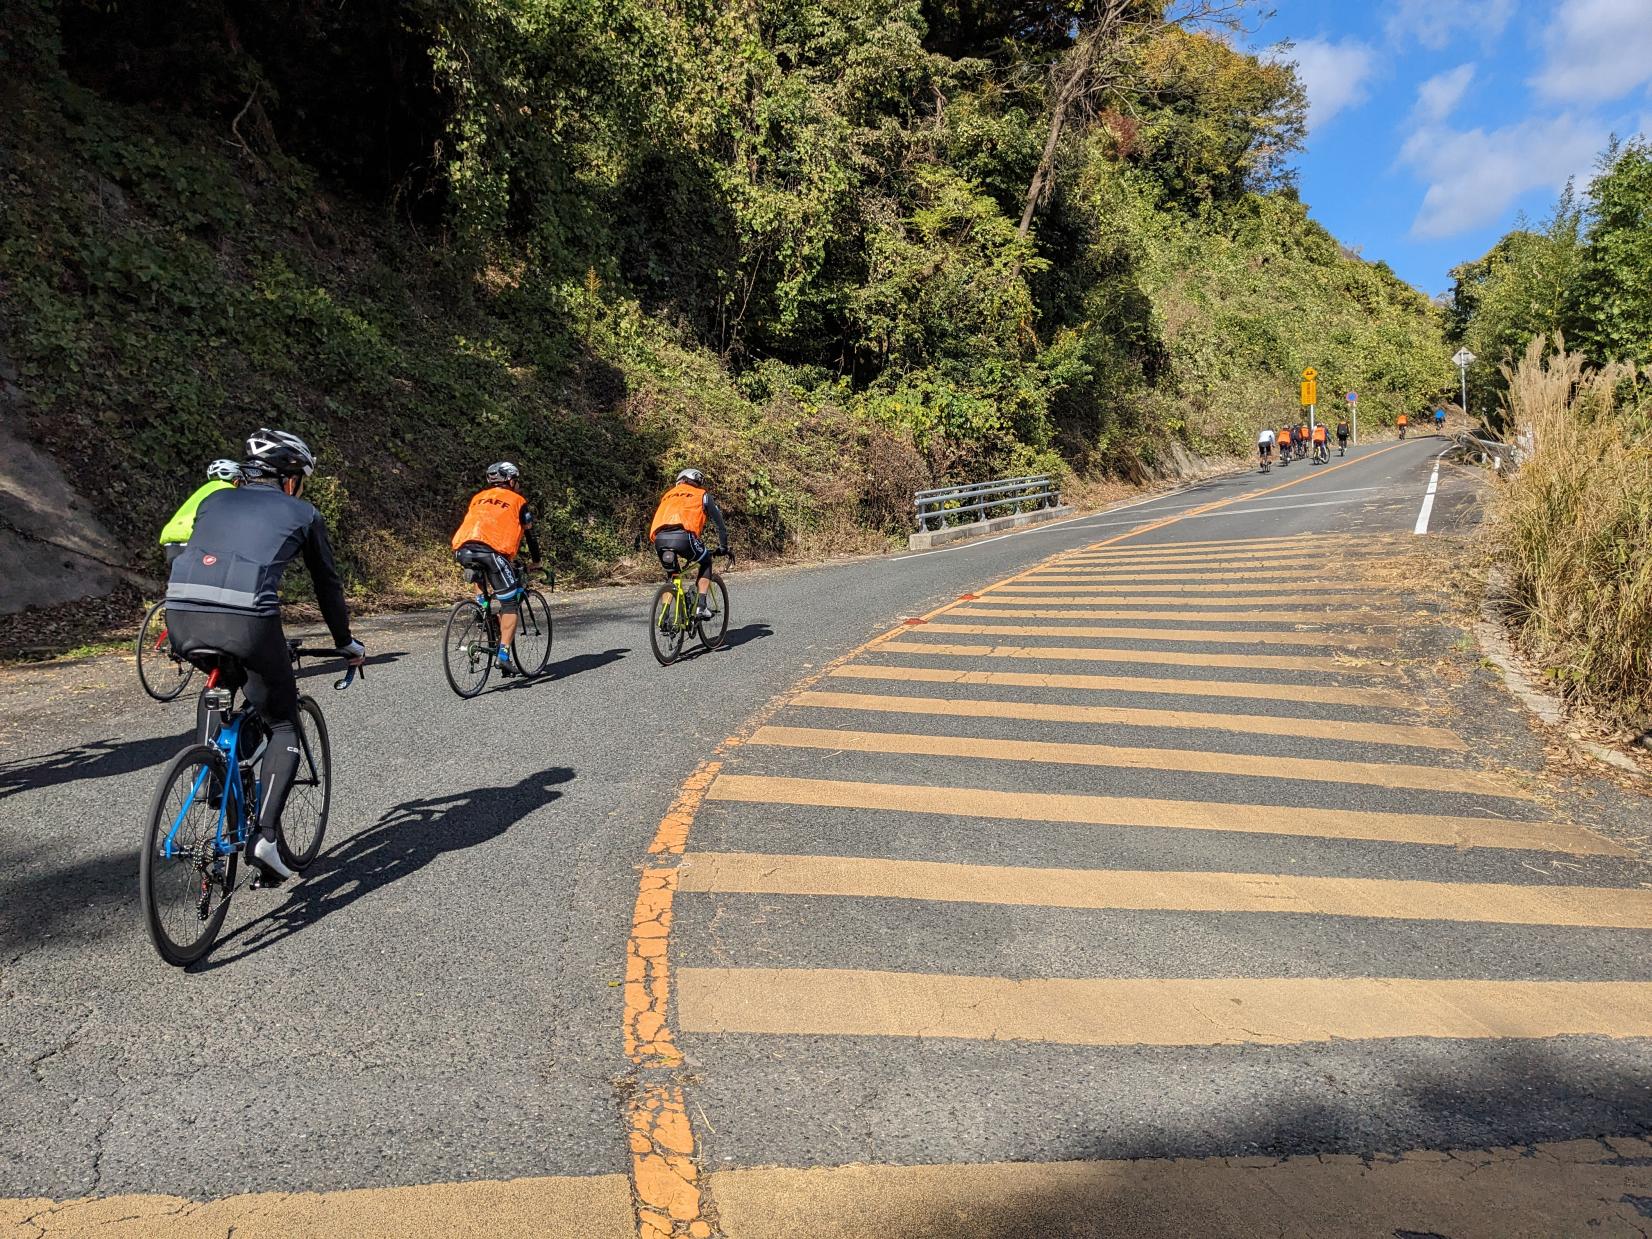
point(1438, 97)
point(1474, 176)
point(1335, 75)
point(1596, 50)
point(1436, 23)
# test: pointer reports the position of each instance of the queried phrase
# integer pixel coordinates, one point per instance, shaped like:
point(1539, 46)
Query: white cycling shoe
point(268, 856)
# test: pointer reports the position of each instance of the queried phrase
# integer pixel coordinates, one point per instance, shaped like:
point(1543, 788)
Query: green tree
point(1611, 316)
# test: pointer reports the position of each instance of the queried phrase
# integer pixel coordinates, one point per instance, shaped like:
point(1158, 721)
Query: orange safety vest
point(1403, 420)
point(684, 506)
point(1284, 437)
point(1319, 434)
point(494, 518)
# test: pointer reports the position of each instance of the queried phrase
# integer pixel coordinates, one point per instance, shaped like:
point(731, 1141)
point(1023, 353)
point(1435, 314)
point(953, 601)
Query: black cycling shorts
point(677, 548)
point(481, 561)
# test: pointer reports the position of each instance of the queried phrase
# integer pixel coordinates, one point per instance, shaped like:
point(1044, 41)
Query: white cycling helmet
point(224, 471)
point(280, 453)
point(502, 471)
point(693, 477)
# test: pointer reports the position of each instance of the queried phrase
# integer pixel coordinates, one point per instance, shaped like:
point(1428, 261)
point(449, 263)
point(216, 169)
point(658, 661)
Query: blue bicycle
point(204, 815)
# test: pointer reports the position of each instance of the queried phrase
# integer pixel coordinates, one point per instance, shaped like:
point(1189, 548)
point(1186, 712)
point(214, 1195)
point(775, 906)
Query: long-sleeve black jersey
point(243, 540)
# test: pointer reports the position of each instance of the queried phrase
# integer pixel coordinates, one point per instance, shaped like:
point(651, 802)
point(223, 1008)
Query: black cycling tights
point(266, 676)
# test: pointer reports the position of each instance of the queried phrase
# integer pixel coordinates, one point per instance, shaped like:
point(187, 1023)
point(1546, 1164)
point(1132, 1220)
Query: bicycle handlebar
point(351, 670)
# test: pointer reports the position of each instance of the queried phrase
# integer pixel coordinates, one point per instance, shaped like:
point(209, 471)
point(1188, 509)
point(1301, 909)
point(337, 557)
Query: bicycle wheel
point(184, 882)
point(467, 649)
point(665, 627)
point(304, 819)
point(161, 672)
point(531, 647)
point(711, 630)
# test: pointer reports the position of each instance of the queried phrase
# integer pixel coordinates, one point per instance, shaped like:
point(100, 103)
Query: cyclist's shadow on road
point(731, 639)
point(403, 841)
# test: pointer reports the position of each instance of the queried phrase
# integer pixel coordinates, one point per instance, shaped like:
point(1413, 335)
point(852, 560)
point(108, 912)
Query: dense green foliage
point(608, 237)
point(1586, 273)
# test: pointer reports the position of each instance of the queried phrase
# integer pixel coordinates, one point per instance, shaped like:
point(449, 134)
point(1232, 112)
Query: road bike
point(161, 670)
point(1322, 453)
point(675, 613)
point(470, 646)
point(1267, 461)
point(204, 814)
point(1402, 430)
point(1342, 446)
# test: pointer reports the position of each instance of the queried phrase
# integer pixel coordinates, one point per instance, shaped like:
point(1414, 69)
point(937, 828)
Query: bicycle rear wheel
point(161, 672)
point(184, 882)
point(467, 649)
point(304, 819)
point(665, 627)
point(531, 647)
point(711, 630)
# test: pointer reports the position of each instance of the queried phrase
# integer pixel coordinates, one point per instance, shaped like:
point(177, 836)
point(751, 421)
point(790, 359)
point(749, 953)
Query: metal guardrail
point(936, 506)
point(1504, 457)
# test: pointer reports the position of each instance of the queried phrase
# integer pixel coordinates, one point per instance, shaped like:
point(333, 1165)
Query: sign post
point(1353, 407)
point(1310, 394)
point(1463, 359)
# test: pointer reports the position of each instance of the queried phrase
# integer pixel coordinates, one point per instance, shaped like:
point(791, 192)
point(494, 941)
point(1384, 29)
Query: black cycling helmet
point(693, 477)
point(502, 471)
point(279, 453)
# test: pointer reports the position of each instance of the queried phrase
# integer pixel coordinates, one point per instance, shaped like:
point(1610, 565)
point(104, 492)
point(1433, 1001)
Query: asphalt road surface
point(1169, 870)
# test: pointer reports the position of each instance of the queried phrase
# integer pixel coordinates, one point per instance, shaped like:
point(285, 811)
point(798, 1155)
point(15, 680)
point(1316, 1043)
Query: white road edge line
point(1428, 499)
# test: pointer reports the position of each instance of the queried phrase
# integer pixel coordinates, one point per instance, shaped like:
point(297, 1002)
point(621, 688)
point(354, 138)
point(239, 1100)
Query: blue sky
point(1433, 123)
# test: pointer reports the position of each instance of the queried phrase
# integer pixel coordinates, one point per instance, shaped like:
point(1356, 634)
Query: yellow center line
point(1191, 607)
point(1187, 761)
point(1163, 587)
point(1132, 812)
point(1237, 1011)
point(753, 873)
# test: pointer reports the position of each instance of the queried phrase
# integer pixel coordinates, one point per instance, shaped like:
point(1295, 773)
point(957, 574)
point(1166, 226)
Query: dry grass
point(1573, 529)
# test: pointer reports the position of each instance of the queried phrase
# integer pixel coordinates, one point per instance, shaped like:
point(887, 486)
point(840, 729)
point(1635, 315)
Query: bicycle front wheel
point(161, 672)
point(712, 630)
point(531, 647)
point(304, 819)
point(184, 882)
point(467, 649)
point(665, 627)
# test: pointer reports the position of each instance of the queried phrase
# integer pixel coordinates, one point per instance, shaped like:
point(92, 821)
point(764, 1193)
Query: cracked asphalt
point(441, 999)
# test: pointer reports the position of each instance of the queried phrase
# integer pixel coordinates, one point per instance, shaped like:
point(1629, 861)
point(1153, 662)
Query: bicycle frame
point(227, 741)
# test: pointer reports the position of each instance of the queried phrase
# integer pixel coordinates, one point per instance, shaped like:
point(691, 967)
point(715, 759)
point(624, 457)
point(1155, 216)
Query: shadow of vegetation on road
point(95, 759)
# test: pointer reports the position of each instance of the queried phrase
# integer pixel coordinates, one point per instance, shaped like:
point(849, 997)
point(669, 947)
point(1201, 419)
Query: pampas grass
point(1573, 528)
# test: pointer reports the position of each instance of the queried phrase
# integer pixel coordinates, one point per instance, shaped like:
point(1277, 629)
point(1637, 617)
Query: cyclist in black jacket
point(225, 594)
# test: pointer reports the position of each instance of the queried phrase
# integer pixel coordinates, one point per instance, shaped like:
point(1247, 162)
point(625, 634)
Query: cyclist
point(221, 475)
point(1264, 445)
point(1299, 437)
point(677, 525)
point(225, 594)
point(1283, 442)
point(487, 540)
point(1401, 423)
point(1439, 421)
point(1322, 444)
point(1342, 435)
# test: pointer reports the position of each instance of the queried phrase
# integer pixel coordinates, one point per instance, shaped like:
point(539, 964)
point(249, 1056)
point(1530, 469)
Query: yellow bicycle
point(675, 614)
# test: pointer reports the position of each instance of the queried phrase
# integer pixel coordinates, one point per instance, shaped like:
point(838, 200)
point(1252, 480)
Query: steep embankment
point(783, 246)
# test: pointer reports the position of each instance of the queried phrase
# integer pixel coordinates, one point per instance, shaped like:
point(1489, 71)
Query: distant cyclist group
point(228, 547)
point(1290, 443)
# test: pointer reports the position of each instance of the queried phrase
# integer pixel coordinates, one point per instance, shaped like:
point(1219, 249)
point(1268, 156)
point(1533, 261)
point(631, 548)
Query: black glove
point(636, 542)
point(729, 555)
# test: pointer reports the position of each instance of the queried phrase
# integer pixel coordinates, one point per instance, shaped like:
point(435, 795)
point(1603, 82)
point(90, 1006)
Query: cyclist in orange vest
point(678, 523)
point(1283, 441)
point(1402, 421)
point(1322, 444)
point(487, 540)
